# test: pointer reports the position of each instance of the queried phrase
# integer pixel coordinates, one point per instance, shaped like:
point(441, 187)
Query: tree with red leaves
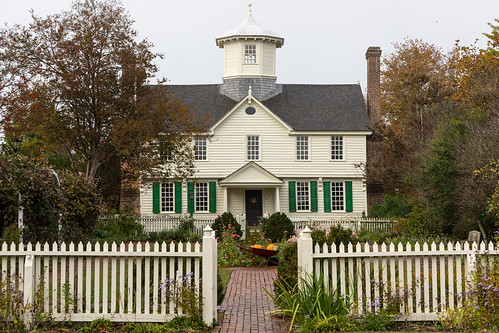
point(79, 82)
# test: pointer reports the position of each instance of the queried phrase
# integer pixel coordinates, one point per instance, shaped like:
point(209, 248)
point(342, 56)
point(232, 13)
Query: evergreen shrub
point(226, 220)
point(278, 227)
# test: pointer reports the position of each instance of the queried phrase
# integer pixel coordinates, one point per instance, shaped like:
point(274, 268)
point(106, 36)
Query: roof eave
point(220, 41)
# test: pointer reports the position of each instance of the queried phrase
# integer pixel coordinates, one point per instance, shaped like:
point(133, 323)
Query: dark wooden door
point(253, 206)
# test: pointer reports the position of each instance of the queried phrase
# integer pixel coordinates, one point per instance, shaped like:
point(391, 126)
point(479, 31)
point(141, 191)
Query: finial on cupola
point(249, 8)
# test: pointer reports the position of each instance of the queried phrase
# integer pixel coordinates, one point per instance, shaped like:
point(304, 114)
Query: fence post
point(209, 276)
point(471, 260)
point(242, 223)
point(29, 289)
point(305, 250)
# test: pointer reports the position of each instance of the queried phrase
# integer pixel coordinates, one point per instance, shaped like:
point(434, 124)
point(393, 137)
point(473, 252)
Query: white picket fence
point(353, 223)
point(117, 282)
point(426, 279)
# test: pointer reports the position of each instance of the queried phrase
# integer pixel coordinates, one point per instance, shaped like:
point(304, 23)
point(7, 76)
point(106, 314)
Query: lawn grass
point(225, 276)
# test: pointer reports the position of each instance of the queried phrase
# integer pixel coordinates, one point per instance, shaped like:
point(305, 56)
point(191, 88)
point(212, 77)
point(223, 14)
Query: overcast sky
point(324, 40)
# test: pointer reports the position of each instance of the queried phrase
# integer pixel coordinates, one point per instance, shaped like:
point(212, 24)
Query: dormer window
point(250, 54)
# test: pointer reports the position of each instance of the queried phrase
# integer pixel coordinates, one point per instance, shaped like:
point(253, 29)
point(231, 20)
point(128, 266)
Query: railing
point(116, 282)
point(354, 223)
point(426, 280)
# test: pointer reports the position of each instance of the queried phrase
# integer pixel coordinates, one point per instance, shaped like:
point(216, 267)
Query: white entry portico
point(253, 189)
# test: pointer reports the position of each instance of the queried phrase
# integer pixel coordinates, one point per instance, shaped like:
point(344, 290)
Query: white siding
point(268, 196)
point(145, 198)
point(232, 56)
point(268, 56)
point(236, 200)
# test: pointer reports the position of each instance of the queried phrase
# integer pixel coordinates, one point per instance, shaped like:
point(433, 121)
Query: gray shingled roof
point(304, 107)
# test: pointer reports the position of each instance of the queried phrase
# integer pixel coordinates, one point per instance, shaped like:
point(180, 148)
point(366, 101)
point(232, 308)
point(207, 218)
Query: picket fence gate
point(122, 283)
point(425, 281)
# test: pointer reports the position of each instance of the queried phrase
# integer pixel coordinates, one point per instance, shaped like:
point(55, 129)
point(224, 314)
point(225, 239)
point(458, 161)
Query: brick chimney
point(373, 56)
point(375, 186)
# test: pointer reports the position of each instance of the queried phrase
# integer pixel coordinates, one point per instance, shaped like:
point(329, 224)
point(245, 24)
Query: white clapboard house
point(269, 147)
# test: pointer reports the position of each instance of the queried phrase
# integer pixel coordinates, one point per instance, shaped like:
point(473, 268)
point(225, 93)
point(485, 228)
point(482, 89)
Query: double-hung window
point(302, 148)
point(302, 196)
point(337, 196)
point(201, 197)
point(253, 147)
point(200, 148)
point(336, 147)
point(250, 54)
point(167, 198)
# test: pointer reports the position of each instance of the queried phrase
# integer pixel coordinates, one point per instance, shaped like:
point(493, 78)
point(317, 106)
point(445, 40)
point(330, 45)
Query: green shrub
point(80, 211)
point(186, 225)
point(184, 232)
point(287, 271)
point(394, 206)
point(11, 234)
point(176, 235)
point(226, 220)
point(371, 236)
point(119, 229)
point(278, 227)
point(336, 234)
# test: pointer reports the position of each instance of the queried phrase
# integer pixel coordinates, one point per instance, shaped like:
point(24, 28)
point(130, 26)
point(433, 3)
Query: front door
point(253, 206)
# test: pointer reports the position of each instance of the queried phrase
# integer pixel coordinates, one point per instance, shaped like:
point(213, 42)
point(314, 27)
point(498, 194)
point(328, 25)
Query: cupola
point(249, 60)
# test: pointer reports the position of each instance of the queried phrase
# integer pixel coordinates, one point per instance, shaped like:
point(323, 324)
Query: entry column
point(277, 201)
point(226, 200)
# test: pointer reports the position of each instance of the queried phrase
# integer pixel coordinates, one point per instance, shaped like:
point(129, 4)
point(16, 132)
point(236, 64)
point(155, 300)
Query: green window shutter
point(178, 197)
point(292, 196)
point(190, 198)
point(213, 197)
point(155, 198)
point(313, 196)
point(349, 196)
point(327, 196)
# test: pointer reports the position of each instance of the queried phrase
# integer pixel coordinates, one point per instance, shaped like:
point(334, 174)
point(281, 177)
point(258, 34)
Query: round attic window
point(250, 110)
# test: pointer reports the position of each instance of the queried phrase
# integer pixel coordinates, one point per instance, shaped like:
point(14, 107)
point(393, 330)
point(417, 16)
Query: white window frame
point(331, 151)
point(203, 153)
point(337, 198)
point(306, 150)
point(163, 197)
point(197, 197)
point(252, 151)
point(303, 186)
point(250, 54)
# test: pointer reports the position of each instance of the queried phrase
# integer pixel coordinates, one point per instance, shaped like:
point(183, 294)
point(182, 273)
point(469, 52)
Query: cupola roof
point(249, 29)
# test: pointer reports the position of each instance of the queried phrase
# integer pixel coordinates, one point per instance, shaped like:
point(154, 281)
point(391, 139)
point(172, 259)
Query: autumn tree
point(78, 82)
point(415, 86)
point(441, 118)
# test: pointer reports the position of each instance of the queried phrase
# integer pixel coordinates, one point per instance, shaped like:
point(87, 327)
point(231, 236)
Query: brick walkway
point(246, 303)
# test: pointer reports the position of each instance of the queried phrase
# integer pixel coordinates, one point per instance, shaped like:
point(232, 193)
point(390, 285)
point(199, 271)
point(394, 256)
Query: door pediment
point(251, 175)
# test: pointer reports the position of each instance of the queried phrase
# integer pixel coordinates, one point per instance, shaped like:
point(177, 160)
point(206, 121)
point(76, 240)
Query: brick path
point(246, 303)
